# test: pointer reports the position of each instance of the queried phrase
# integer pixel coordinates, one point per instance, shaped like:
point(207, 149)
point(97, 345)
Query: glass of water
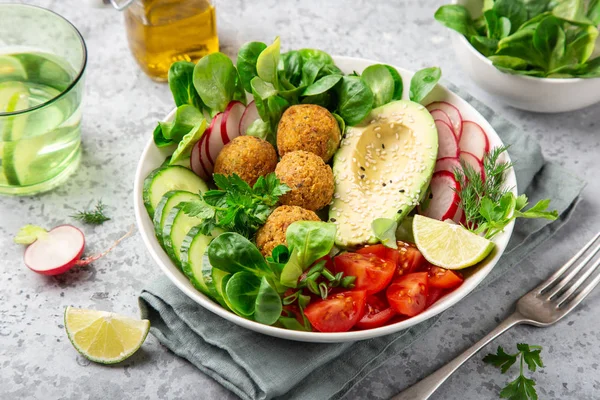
point(42, 61)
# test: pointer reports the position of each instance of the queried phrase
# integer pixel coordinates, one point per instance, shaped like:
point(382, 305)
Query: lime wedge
point(448, 245)
point(104, 337)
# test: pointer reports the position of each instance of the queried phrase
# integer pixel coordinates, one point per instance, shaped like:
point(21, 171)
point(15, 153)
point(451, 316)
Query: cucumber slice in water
point(11, 69)
point(176, 228)
point(168, 201)
point(162, 180)
point(14, 96)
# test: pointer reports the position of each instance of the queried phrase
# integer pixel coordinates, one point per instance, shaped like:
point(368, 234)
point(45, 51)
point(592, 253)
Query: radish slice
point(459, 216)
point(474, 140)
point(205, 161)
point(250, 115)
point(214, 140)
point(447, 164)
point(452, 113)
point(230, 123)
point(474, 162)
point(196, 161)
point(447, 143)
point(443, 200)
point(439, 115)
point(58, 252)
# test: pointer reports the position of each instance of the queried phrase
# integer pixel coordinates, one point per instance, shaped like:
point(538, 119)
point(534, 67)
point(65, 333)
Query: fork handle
point(425, 388)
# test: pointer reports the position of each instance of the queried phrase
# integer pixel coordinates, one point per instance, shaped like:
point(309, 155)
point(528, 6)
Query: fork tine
point(555, 276)
point(582, 295)
point(573, 288)
point(572, 273)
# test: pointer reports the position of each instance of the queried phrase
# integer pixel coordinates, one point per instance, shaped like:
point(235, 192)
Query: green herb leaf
point(521, 388)
point(355, 99)
point(398, 84)
point(291, 272)
point(423, 82)
point(93, 217)
point(514, 10)
point(241, 290)
point(323, 85)
point(215, 79)
point(29, 234)
point(268, 305)
point(310, 240)
point(181, 83)
point(246, 62)
point(231, 252)
point(267, 63)
point(456, 17)
point(381, 82)
point(384, 229)
point(501, 359)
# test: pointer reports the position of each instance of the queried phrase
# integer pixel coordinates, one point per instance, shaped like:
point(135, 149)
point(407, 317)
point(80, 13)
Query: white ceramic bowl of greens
point(532, 93)
point(152, 157)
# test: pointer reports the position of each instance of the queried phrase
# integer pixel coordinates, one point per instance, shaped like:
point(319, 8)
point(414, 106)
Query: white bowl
point(547, 95)
point(153, 157)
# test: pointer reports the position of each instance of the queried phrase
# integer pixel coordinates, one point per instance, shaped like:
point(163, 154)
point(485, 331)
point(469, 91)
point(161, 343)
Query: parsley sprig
point(93, 217)
point(521, 388)
point(236, 206)
point(487, 203)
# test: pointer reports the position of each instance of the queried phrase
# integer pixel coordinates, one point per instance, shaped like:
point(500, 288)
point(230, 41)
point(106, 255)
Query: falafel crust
point(247, 156)
point(272, 233)
point(310, 180)
point(308, 127)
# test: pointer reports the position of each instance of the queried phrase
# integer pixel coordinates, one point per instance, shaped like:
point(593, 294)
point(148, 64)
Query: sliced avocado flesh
point(382, 169)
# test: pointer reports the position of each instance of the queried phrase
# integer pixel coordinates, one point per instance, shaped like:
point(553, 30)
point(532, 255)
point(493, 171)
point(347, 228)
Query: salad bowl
point(546, 95)
point(152, 157)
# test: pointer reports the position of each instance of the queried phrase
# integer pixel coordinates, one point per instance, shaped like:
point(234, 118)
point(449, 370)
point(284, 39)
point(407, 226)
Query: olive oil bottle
point(161, 32)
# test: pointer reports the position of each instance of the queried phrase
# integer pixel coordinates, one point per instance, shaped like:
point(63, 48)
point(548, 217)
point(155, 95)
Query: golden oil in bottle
point(161, 32)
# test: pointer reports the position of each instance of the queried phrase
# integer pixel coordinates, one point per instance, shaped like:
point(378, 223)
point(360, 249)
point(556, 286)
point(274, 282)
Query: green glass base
point(45, 185)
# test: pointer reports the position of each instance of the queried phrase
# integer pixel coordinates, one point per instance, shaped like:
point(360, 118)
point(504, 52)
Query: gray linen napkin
point(256, 366)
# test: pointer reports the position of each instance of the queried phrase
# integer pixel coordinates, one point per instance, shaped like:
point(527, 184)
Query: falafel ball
point(272, 233)
point(308, 127)
point(247, 156)
point(310, 179)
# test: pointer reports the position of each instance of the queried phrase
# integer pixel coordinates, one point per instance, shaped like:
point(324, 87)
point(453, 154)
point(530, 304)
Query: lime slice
point(448, 245)
point(104, 337)
point(11, 69)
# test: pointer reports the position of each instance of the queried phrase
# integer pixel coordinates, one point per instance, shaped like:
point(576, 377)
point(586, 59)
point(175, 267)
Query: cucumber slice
point(162, 180)
point(219, 281)
point(176, 227)
point(167, 202)
point(193, 261)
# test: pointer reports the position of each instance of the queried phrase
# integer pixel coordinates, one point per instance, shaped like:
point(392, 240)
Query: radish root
point(88, 260)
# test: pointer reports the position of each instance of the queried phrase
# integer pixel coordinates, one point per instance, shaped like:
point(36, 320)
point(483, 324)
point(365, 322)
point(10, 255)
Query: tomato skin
point(377, 312)
point(373, 274)
point(337, 313)
point(444, 278)
point(407, 295)
point(410, 259)
point(434, 295)
point(381, 251)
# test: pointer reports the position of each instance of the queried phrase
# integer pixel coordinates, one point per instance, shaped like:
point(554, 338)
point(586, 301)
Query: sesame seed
point(332, 219)
point(362, 168)
point(382, 146)
point(362, 177)
point(401, 190)
point(383, 184)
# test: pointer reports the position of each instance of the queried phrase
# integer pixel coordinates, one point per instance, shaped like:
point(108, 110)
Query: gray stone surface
point(121, 108)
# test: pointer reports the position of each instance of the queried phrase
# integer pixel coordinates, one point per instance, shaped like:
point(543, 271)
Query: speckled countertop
point(121, 108)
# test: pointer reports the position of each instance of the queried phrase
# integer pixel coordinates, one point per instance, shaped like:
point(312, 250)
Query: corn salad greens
point(521, 388)
point(488, 205)
point(540, 38)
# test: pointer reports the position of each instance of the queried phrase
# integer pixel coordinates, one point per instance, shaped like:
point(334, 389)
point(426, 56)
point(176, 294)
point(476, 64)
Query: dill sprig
point(94, 217)
point(473, 188)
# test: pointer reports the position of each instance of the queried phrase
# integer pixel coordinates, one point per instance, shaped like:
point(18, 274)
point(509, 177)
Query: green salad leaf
point(384, 230)
point(246, 62)
point(216, 80)
point(181, 83)
point(423, 82)
point(381, 82)
point(267, 63)
point(540, 38)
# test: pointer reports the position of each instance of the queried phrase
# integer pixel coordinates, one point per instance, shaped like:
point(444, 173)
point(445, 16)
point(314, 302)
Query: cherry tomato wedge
point(373, 274)
point(410, 259)
point(337, 313)
point(434, 295)
point(407, 295)
point(381, 251)
point(377, 312)
point(444, 278)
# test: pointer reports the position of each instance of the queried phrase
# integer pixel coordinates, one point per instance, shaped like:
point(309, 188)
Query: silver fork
point(541, 307)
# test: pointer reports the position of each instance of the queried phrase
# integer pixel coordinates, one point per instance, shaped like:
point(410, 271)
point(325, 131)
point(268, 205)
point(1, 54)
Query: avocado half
point(382, 169)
